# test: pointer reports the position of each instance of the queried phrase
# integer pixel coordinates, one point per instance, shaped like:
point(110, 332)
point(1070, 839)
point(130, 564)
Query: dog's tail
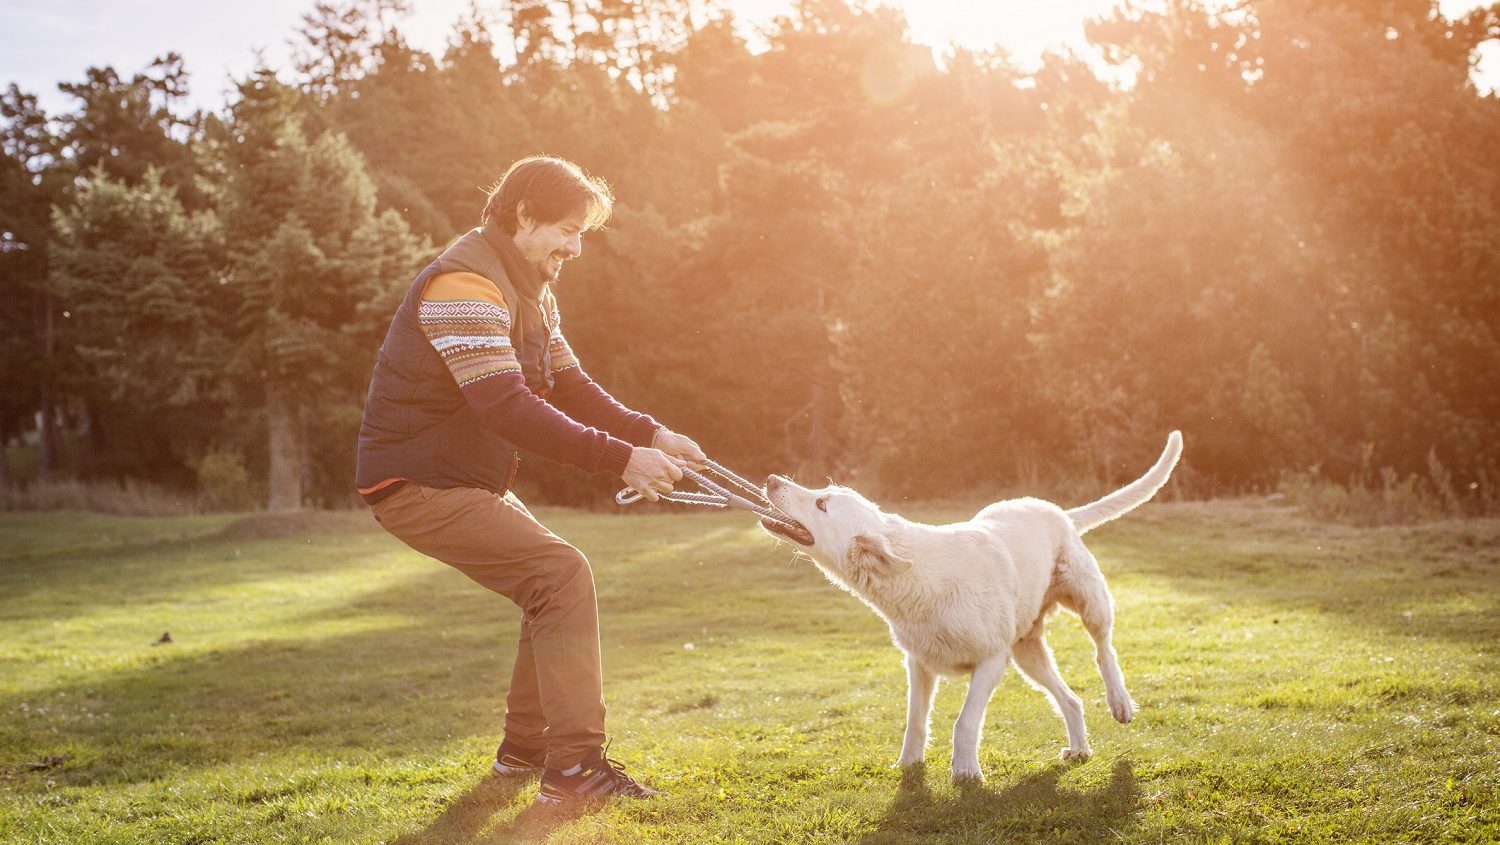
point(1132, 495)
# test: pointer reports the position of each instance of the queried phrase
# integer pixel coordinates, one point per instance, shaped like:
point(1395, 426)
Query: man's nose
point(574, 245)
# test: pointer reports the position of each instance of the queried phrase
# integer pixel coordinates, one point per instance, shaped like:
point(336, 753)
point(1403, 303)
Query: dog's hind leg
point(921, 687)
point(1034, 659)
point(1089, 597)
point(982, 685)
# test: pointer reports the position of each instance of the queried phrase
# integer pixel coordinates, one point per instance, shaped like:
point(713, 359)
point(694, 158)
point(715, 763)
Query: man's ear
point(523, 216)
point(873, 553)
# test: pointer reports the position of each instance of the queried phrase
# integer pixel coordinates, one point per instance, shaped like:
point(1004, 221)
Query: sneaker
point(599, 778)
point(512, 759)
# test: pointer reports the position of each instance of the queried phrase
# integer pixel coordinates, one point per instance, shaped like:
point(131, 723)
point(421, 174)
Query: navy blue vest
point(417, 424)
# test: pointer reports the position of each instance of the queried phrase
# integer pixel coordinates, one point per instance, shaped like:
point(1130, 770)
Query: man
point(474, 367)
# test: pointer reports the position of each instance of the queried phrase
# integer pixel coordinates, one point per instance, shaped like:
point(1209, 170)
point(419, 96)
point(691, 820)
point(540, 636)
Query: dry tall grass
point(130, 498)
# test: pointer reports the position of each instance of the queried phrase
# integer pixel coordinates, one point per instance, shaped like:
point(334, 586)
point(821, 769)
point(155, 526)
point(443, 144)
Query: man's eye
point(822, 505)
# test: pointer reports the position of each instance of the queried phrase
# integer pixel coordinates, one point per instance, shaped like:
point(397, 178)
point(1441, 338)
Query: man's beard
point(545, 268)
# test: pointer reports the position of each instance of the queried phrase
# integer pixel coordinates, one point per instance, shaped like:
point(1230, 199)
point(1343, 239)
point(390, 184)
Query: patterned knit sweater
point(468, 322)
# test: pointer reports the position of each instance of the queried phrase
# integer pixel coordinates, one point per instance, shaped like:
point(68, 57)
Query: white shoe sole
point(511, 771)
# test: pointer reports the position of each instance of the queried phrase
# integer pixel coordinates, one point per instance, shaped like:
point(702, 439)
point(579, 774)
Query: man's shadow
point(467, 815)
point(1032, 807)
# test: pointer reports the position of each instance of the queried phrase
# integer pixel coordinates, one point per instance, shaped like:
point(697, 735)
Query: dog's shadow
point(1032, 807)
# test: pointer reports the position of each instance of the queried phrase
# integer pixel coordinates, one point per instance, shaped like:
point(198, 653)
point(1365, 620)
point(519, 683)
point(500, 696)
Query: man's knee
point(565, 581)
point(574, 573)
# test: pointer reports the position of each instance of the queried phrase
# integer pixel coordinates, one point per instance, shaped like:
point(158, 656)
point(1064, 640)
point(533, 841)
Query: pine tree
point(27, 191)
point(128, 126)
point(339, 42)
point(313, 270)
point(135, 275)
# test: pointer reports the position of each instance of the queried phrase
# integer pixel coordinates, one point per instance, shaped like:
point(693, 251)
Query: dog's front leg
point(921, 686)
point(982, 685)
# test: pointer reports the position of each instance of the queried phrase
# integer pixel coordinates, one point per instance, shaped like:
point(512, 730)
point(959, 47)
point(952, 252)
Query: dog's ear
point(873, 553)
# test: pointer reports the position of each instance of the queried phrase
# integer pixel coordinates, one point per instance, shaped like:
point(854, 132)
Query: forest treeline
point(832, 256)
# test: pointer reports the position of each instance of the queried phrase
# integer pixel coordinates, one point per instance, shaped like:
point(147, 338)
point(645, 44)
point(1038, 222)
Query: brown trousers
point(556, 698)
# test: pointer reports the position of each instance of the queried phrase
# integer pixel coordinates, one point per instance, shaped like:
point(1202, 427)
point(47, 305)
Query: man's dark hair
point(553, 189)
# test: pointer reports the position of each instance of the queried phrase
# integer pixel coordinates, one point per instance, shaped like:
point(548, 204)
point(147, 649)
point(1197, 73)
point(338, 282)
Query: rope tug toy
point(717, 495)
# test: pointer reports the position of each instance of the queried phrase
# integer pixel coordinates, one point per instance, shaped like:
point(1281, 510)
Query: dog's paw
point(907, 761)
point(1076, 755)
point(967, 774)
point(1122, 708)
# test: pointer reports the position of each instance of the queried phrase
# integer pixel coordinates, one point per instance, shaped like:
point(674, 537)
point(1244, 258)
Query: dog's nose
point(774, 481)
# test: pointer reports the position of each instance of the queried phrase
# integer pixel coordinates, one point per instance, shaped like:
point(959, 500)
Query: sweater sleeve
point(466, 321)
point(581, 398)
point(584, 400)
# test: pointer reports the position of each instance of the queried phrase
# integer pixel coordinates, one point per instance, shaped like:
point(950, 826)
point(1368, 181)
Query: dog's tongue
point(799, 534)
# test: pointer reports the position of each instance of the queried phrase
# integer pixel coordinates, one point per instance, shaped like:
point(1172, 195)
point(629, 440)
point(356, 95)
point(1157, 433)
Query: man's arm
point(583, 399)
point(586, 400)
point(465, 319)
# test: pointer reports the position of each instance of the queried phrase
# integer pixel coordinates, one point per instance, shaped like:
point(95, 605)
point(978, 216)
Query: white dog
point(973, 596)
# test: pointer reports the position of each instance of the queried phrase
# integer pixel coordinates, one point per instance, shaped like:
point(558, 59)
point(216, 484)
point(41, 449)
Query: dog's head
point(846, 533)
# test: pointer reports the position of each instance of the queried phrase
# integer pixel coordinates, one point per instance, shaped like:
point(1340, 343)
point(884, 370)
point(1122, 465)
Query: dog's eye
point(822, 505)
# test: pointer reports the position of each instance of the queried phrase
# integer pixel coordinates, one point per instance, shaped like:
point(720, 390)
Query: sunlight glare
point(1028, 28)
point(1025, 28)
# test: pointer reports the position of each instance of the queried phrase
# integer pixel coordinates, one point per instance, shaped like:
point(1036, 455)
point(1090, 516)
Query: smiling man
point(474, 368)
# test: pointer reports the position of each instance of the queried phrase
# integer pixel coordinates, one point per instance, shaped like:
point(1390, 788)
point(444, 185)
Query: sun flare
point(1024, 28)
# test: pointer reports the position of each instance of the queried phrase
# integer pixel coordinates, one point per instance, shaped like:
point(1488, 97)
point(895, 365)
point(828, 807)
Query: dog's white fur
point(971, 597)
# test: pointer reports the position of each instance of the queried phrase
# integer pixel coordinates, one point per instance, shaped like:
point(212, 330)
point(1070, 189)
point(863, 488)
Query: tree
point(532, 31)
point(136, 276)
point(314, 271)
point(129, 126)
point(26, 196)
point(433, 177)
point(1286, 215)
point(340, 41)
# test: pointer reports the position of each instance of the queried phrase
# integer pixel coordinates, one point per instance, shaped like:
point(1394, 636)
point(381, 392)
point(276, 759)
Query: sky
point(42, 43)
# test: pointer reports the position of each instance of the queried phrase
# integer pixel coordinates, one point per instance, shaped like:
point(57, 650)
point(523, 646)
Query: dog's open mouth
point(798, 534)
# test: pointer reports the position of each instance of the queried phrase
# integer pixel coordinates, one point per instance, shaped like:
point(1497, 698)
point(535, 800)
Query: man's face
point(548, 245)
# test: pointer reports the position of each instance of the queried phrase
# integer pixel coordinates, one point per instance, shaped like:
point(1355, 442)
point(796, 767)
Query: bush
point(1393, 499)
point(224, 483)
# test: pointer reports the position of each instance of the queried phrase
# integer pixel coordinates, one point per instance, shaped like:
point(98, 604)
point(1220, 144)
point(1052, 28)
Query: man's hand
point(651, 472)
point(678, 446)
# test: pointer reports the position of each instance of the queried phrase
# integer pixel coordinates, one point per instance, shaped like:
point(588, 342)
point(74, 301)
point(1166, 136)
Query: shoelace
point(616, 770)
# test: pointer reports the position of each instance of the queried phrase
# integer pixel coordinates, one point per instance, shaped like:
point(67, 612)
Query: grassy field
point(1298, 682)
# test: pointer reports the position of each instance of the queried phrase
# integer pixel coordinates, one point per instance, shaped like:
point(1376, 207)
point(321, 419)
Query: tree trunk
point(4, 463)
point(46, 434)
point(305, 443)
point(46, 441)
point(284, 426)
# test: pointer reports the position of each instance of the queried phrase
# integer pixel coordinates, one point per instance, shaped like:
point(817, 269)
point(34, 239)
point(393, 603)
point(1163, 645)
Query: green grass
point(1299, 682)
